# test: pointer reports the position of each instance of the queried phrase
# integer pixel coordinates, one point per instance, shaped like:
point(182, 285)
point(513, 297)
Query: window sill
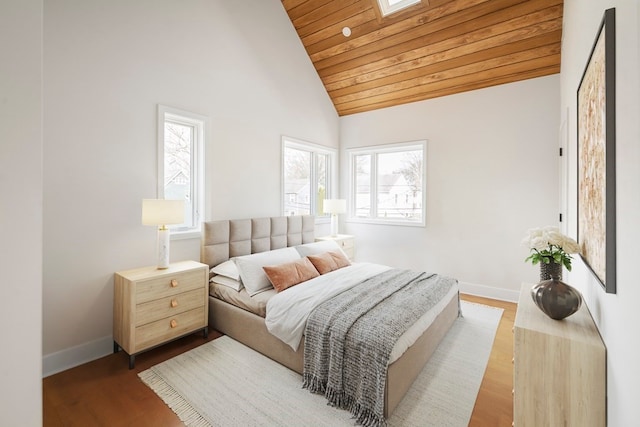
point(386, 222)
point(183, 235)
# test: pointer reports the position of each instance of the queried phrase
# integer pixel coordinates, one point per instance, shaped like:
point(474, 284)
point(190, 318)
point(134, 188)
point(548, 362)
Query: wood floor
point(106, 393)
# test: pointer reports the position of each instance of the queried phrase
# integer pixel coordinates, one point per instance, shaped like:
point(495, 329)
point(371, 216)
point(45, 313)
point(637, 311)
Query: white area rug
point(224, 383)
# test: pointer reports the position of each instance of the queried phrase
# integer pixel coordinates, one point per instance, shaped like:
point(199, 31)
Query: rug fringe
point(185, 412)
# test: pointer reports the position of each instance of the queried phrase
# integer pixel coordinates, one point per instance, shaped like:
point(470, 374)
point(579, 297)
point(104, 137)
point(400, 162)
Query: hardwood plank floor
point(105, 392)
point(494, 404)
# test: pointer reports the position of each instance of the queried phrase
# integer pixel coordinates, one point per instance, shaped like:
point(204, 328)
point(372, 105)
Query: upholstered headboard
point(230, 238)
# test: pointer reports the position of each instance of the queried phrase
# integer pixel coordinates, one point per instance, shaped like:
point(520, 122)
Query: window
point(388, 7)
point(388, 184)
point(308, 176)
point(181, 141)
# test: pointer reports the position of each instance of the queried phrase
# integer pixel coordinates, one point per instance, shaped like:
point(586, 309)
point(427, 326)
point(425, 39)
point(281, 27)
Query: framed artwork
point(597, 157)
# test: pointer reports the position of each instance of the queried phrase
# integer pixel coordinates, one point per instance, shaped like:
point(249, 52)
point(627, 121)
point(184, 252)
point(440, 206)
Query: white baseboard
point(75, 356)
point(489, 292)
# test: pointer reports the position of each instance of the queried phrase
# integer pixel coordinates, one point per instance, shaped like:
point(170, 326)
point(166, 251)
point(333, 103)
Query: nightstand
point(153, 306)
point(346, 241)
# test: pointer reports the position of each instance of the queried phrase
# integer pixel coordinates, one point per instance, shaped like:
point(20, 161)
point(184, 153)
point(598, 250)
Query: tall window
point(307, 176)
point(180, 164)
point(388, 183)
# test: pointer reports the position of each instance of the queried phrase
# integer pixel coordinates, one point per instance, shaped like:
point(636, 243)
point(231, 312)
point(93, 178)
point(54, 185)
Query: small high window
point(388, 7)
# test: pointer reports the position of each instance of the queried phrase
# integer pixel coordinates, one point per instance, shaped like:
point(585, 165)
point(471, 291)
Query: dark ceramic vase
point(547, 271)
point(556, 299)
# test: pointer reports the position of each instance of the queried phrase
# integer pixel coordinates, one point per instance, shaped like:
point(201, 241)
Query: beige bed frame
point(229, 238)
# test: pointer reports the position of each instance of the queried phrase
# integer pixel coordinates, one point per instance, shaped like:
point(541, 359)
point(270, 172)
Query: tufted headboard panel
point(226, 239)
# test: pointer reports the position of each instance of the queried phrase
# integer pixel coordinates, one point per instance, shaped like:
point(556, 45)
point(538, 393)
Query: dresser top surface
point(579, 326)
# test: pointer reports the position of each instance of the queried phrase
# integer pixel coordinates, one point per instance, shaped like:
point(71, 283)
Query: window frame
point(373, 151)
point(200, 124)
point(332, 169)
point(387, 9)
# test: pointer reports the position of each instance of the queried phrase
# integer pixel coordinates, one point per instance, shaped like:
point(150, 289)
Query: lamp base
point(164, 238)
point(334, 225)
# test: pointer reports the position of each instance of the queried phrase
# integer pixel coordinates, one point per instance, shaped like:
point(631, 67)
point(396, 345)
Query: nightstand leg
point(132, 361)
point(116, 347)
point(205, 332)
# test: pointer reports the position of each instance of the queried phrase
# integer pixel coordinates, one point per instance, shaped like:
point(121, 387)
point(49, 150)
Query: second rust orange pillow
point(328, 261)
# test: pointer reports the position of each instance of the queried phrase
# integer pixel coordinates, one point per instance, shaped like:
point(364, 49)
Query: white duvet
point(288, 311)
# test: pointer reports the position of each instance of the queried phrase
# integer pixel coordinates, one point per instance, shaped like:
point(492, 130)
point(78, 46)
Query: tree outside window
point(181, 141)
point(307, 177)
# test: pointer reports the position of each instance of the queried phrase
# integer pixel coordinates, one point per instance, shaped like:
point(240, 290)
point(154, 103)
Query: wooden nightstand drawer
point(348, 247)
point(165, 286)
point(152, 306)
point(345, 241)
point(349, 252)
point(168, 306)
point(165, 329)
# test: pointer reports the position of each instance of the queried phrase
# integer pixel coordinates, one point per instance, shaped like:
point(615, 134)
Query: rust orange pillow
point(328, 261)
point(284, 276)
point(340, 259)
point(323, 262)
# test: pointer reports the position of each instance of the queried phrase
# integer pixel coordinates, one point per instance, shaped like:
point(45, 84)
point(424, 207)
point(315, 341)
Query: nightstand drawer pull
point(174, 303)
point(174, 283)
point(173, 323)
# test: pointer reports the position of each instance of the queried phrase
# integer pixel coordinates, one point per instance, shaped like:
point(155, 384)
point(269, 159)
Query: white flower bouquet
point(548, 246)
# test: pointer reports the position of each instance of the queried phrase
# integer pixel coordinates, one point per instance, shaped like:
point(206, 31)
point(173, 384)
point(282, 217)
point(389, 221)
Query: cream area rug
point(224, 383)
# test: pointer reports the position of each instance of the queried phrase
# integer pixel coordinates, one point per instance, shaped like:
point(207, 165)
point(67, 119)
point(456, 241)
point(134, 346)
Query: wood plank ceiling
point(431, 49)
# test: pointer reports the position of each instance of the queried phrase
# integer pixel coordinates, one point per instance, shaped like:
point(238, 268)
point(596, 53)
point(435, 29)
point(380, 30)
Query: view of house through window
point(388, 183)
point(307, 179)
point(180, 148)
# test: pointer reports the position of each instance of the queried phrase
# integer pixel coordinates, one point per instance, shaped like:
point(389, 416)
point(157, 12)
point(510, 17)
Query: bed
point(242, 317)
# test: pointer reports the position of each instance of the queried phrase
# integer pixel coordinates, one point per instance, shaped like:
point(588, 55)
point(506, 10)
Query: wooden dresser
point(153, 306)
point(559, 368)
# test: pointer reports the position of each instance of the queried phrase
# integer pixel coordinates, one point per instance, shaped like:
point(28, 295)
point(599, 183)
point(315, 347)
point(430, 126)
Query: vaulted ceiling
point(431, 49)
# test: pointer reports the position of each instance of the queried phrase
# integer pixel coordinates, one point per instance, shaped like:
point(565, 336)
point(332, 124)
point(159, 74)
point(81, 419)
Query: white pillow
point(227, 269)
point(253, 276)
point(227, 281)
point(320, 247)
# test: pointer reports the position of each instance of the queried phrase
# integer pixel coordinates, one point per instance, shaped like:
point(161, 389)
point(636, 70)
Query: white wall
point(107, 66)
point(492, 174)
point(21, 212)
point(617, 316)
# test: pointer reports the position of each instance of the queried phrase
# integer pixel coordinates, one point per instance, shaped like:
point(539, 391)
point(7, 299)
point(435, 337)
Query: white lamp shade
point(334, 206)
point(162, 212)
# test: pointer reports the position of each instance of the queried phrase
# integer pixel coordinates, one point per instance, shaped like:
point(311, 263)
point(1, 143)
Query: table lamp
point(334, 207)
point(160, 212)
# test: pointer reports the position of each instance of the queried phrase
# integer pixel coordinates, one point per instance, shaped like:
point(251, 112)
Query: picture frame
point(596, 110)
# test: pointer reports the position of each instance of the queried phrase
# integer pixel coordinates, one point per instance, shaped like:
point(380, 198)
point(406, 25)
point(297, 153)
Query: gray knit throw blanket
point(348, 338)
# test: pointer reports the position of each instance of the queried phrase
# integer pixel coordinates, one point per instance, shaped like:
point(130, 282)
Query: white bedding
point(288, 311)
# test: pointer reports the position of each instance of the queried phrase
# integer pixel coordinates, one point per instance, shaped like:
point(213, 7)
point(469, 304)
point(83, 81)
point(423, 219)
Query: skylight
point(388, 7)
